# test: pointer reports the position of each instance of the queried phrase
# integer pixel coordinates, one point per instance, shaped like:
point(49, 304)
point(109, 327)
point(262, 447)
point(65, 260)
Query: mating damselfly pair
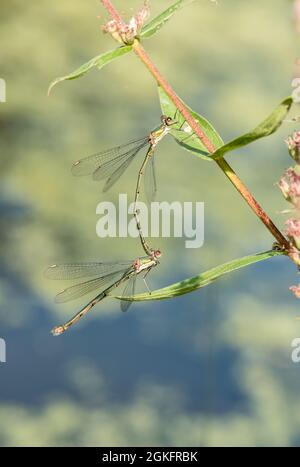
point(109, 165)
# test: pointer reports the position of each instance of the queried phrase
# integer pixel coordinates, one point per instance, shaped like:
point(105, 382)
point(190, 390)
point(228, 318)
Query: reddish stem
point(222, 163)
point(112, 11)
point(251, 201)
point(140, 51)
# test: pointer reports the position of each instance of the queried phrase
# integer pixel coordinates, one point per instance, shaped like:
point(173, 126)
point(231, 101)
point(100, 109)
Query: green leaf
point(148, 30)
point(155, 24)
point(266, 128)
point(96, 62)
point(182, 132)
point(203, 279)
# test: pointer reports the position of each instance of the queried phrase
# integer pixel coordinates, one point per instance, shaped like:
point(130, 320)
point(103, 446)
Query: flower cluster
point(290, 188)
point(293, 143)
point(289, 185)
point(127, 32)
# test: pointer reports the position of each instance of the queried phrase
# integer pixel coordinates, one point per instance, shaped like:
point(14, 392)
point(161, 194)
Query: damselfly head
point(168, 121)
point(157, 254)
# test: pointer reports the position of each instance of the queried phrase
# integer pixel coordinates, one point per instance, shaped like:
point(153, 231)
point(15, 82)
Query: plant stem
point(255, 206)
point(222, 163)
point(112, 11)
point(224, 166)
point(142, 54)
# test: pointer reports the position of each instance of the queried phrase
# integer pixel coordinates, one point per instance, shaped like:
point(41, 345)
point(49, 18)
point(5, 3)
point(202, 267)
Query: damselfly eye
point(157, 253)
point(169, 121)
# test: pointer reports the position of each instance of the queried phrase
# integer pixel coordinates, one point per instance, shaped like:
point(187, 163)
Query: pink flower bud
point(126, 33)
point(293, 232)
point(285, 188)
point(289, 185)
point(113, 28)
point(296, 290)
point(293, 144)
point(142, 16)
point(294, 254)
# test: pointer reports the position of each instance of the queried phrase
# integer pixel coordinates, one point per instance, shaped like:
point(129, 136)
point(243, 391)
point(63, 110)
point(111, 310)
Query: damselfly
point(112, 163)
point(103, 277)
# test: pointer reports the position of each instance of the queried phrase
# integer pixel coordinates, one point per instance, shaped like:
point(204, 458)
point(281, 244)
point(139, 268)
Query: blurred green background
point(210, 368)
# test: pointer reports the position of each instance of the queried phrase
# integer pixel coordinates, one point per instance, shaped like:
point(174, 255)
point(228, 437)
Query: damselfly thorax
point(144, 264)
point(157, 135)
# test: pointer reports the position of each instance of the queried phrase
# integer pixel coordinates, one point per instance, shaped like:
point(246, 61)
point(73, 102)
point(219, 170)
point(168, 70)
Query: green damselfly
point(103, 277)
point(109, 165)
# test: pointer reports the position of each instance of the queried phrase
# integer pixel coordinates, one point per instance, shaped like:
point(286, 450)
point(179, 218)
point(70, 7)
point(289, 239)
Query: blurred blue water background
point(209, 368)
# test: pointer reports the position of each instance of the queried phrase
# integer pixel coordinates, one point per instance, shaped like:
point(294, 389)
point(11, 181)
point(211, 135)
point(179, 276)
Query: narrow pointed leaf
point(101, 60)
point(96, 62)
point(266, 128)
point(182, 132)
point(159, 21)
point(203, 279)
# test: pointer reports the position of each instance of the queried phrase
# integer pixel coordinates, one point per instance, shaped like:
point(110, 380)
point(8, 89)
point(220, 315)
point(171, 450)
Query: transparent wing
point(118, 173)
point(129, 291)
point(113, 169)
point(150, 181)
point(89, 165)
point(81, 270)
point(79, 290)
